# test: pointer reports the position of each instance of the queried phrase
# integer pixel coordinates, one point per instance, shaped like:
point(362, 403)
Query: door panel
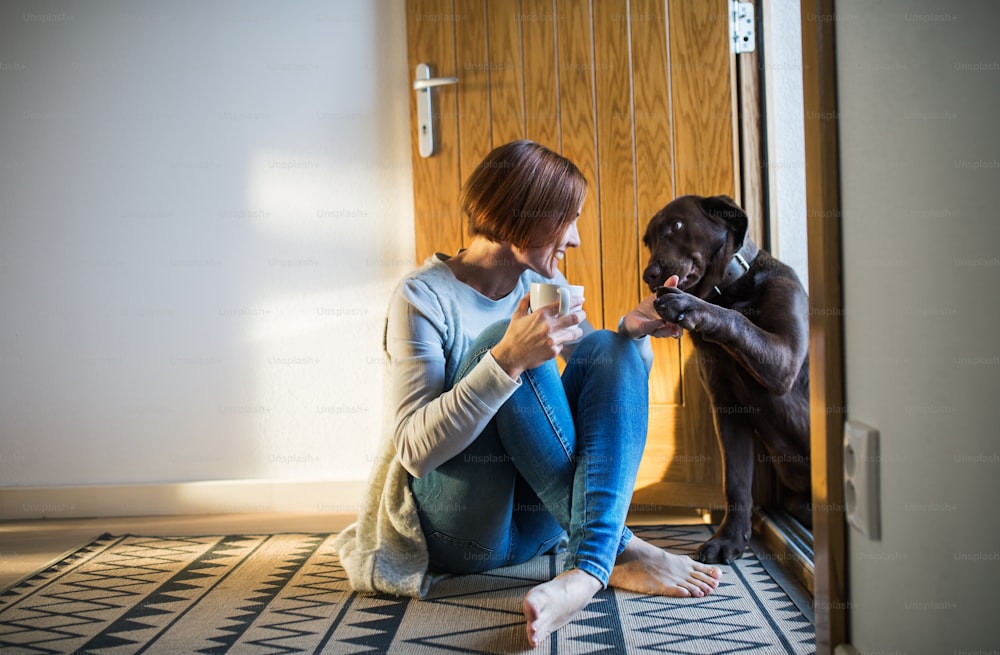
point(615, 174)
point(505, 70)
point(577, 125)
point(435, 204)
point(473, 97)
point(639, 94)
point(703, 96)
point(541, 91)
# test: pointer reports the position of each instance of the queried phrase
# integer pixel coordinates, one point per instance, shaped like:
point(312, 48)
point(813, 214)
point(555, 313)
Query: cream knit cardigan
point(385, 551)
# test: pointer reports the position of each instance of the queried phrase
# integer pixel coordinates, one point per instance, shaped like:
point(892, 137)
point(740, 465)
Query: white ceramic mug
point(543, 294)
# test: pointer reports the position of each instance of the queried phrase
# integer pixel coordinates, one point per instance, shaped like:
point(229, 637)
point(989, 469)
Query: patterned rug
point(287, 593)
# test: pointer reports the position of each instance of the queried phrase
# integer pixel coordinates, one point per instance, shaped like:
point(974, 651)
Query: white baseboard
point(182, 498)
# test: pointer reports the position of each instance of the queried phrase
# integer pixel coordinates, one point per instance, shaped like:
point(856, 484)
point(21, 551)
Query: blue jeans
point(559, 459)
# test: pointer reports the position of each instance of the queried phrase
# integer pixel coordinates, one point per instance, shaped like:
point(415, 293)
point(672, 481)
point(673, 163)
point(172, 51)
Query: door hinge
point(742, 28)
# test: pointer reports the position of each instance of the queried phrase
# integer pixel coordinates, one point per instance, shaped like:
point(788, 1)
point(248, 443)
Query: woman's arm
point(643, 322)
point(433, 425)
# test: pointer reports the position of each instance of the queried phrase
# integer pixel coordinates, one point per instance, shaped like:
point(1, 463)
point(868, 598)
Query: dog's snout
point(651, 276)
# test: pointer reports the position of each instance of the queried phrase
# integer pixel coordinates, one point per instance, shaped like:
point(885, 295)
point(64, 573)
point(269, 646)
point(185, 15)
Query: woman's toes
point(705, 579)
point(693, 590)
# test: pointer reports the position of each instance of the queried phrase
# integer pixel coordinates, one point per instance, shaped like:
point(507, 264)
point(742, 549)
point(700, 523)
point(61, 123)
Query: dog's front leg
point(772, 349)
point(736, 442)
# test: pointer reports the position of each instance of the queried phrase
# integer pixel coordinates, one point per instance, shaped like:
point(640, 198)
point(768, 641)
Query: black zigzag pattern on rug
point(287, 593)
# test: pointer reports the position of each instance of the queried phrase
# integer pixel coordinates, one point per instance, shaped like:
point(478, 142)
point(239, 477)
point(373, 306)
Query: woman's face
point(545, 259)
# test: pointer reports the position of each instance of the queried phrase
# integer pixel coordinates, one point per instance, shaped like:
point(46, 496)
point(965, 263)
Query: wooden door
point(640, 95)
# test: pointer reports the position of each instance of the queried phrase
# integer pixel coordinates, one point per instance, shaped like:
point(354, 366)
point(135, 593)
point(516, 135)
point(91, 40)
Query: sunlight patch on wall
point(311, 333)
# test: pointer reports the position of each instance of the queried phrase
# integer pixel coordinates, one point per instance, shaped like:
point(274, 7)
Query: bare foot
point(646, 569)
point(551, 605)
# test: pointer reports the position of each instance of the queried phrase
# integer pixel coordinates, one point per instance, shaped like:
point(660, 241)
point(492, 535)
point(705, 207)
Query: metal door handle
point(419, 85)
point(424, 85)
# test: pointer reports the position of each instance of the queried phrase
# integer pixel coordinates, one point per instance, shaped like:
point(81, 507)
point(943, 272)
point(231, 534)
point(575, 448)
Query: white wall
point(919, 91)
point(786, 177)
point(203, 209)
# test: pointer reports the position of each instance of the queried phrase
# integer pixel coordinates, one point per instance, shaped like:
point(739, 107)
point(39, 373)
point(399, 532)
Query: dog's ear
point(725, 210)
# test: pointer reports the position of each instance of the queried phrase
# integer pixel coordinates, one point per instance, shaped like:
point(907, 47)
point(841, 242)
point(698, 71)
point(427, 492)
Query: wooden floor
point(29, 546)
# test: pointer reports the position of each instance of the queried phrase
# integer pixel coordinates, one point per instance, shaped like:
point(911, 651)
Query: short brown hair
point(524, 194)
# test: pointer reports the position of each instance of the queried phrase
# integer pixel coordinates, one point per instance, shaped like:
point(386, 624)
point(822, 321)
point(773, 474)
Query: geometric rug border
point(90, 543)
point(313, 599)
point(77, 550)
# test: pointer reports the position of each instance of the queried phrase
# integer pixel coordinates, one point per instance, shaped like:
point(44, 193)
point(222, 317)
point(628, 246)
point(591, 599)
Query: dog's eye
point(673, 227)
point(668, 228)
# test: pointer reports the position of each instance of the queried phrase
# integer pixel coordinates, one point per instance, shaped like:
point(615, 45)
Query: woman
point(495, 456)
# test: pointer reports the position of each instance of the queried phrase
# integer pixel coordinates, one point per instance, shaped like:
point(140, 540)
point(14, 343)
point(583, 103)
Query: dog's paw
point(677, 307)
point(721, 550)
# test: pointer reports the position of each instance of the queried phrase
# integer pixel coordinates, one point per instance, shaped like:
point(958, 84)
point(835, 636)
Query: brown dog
point(748, 317)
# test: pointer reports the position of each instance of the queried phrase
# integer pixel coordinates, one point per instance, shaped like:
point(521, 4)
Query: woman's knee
point(611, 351)
point(481, 345)
point(492, 334)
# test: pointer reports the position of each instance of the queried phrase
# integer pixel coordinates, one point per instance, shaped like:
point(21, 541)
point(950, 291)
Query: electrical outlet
point(861, 478)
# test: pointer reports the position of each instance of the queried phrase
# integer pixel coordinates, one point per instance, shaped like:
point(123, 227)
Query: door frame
point(827, 579)
point(826, 361)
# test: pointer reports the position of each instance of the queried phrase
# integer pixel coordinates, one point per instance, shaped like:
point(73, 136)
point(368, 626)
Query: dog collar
point(738, 265)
